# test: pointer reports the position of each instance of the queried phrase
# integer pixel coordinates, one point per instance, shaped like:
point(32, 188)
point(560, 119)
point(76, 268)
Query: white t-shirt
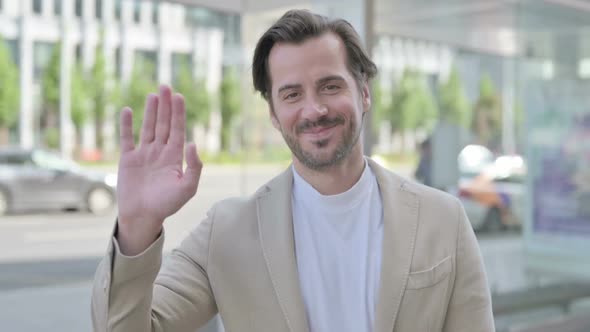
point(338, 247)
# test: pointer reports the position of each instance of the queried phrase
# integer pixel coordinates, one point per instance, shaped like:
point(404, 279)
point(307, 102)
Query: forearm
point(131, 295)
point(123, 288)
point(135, 237)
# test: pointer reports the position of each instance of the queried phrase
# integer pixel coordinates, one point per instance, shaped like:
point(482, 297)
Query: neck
point(335, 179)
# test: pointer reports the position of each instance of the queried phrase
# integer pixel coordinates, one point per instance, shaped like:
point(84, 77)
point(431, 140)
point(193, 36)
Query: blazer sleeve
point(470, 306)
point(132, 294)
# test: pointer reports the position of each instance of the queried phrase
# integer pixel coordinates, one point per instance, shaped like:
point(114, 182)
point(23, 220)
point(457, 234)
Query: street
point(47, 261)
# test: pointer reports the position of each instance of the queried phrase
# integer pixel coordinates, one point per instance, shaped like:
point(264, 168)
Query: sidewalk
point(53, 309)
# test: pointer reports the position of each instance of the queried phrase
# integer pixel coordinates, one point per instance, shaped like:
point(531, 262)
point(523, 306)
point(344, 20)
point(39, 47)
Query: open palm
point(152, 184)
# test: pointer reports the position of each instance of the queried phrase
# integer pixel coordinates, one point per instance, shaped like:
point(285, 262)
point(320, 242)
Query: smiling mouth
point(323, 124)
point(318, 129)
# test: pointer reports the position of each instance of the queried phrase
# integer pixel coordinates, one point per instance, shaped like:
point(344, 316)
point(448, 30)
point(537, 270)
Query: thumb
point(193, 169)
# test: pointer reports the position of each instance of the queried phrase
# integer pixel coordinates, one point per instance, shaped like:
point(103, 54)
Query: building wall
point(164, 28)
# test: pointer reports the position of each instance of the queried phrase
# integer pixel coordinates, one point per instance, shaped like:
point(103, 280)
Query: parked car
point(491, 189)
point(37, 179)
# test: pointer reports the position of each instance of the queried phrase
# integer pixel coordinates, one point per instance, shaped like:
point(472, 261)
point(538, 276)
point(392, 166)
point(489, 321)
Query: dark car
point(36, 179)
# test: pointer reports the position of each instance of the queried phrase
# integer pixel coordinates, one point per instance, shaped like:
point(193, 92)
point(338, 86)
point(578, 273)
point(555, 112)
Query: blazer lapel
point(400, 222)
point(275, 228)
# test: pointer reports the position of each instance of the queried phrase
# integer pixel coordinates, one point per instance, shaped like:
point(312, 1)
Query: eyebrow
point(329, 78)
point(289, 86)
point(319, 82)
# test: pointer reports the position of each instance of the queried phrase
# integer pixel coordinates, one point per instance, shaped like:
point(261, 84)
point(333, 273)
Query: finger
point(178, 123)
point(193, 169)
point(163, 117)
point(149, 119)
point(126, 130)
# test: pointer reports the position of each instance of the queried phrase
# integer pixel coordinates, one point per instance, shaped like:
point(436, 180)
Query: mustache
point(323, 121)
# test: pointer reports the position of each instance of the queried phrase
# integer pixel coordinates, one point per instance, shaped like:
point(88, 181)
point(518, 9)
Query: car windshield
point(49, 160)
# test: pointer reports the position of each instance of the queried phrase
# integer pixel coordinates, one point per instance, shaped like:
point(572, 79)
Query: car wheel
point(493, 220)
point(4, 202)
point(99, 200)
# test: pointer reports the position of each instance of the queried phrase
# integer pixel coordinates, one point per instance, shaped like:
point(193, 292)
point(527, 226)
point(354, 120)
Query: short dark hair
point(296, 26)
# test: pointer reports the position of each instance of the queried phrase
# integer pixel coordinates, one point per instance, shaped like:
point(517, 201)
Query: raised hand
point(151, 184)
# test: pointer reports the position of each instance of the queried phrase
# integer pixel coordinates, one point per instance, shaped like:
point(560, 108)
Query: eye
point(291, 96)
point(331, 87)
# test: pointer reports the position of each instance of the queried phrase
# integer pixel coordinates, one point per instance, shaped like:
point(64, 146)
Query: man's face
point(315, 101)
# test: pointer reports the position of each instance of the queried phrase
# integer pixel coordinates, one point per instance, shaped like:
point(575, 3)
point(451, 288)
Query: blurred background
point(486, 99)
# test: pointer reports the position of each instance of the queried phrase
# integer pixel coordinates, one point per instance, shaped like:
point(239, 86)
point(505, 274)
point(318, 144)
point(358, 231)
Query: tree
point(454, 106)
point(50, 96)
point(81, 105)
point(136, 91)
point(230, 105)
point(196, 96)
point(9, 93)
point(99, 92)
point(412, 105)
point(487, 114)
point(379, 103)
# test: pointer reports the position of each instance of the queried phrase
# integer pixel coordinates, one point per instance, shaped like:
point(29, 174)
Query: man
point(334, 243)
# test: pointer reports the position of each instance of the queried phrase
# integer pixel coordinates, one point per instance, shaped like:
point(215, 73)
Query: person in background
point(334, 243)
point(423, 172)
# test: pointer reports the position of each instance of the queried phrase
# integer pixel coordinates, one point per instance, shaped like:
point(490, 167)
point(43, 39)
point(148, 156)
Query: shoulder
point(437, 210)
point(425, 197)
point(434, 199)
point(237, 211)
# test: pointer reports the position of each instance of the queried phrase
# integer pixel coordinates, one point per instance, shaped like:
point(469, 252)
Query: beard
point(321, 160)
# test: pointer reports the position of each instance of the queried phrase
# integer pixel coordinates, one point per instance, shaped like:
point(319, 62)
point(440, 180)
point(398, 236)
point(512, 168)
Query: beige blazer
point(240, 262)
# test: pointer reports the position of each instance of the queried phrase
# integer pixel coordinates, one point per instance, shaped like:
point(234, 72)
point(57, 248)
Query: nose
point(314, 109)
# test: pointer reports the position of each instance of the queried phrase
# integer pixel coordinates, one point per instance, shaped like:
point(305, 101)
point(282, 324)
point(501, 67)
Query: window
point(78, 52)
point(147, 63)
point(180, 62)
point(42, 52)
point(98, 9)
point(17, 158)
point(57, 7)
point(37, 6)
point(12, 45)
point(118, 10)
point(118, 69)
point(155, 14)
point(50, 160)
point(78, 8)
point(136, 11)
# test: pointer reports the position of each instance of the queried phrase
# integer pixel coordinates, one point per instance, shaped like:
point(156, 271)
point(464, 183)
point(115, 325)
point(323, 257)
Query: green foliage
point(379, 104)
point(99, 80)
point(230, 105)
point(487, 113)
point(196, 96)
point(99, 93)
point(136, 90)
point(50, 88)
point(81, 104)
point(454, 106)
point(9, 89)
point(412, 105)
point(269, 155)
point(51, 138)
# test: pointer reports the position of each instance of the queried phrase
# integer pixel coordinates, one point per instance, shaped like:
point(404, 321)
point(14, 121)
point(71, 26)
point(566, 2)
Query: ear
point(366, 95)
